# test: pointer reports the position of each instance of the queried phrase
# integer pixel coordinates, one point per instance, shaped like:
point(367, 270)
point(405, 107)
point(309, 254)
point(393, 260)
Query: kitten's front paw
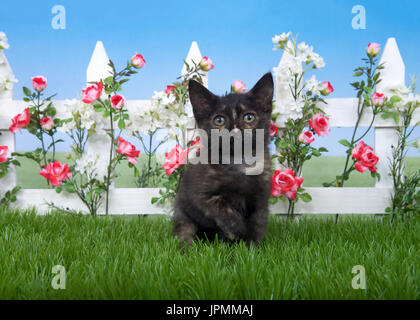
point(236, 228)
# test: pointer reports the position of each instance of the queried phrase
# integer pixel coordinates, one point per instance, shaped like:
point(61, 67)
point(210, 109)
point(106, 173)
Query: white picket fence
point(342, 112)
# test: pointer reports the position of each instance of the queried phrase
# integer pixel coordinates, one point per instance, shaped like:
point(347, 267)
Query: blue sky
point(235, 34)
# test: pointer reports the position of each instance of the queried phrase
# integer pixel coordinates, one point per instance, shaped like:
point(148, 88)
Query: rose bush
point(367, 98)
point(297, 111)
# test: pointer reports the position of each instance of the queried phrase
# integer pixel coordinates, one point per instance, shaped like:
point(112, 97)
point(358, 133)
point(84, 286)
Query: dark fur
point(220, 199)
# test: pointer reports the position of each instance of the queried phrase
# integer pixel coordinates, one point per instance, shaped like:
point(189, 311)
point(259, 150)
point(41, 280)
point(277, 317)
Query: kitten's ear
point(201, 98)
point(262, 92)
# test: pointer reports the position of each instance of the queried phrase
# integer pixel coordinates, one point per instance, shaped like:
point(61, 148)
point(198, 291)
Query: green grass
point(315, 172)
point(137, 258)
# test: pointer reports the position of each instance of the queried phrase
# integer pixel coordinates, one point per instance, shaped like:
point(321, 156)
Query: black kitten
point(224, 199)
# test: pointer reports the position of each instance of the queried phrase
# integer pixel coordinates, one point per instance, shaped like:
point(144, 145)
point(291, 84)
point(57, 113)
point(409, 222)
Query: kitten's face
point(250, 110)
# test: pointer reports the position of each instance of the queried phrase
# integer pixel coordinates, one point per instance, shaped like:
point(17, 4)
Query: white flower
point(289, 109)
point(408, 99)
point(6, 82)
point(313, 85)
point(67, 127)
point(279, 40)
point(305, 51)
point(290, 47)
point(317, 60)
point(4, 44)
point(88, 117)
point(93, 165)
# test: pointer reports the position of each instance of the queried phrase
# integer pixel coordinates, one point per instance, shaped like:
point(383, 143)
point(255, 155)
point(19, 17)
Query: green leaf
point(121, 124)
point(357, 74)
point(368, 90)
point(345, 143)
point(395, 99)
point(16, 162)
point(109, 80)
point(273, 200)
point(117, 87)
point(306, 197)
point(89, 196)
point(154, 200)
point(385, 115)
point(27, 92)
point(51, 111)
point(69, 188)
point(98, 107)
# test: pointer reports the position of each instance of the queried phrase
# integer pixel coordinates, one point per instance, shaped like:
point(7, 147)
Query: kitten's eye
point(219, 120)
point(249, 117)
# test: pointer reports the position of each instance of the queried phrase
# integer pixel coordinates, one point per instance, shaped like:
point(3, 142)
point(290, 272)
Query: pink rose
point(327, 88)
point(127, 149)
point(55, 172)
point(273, 129)
point(39, 83)
point(174, 159)
point(378, 99)
point(366, 159)
point(20, 121)
point(3, 153)
point(169, 89)
point(138, 61)
point(117, 101)
point(320, 124)
point(195, 144)
point(238, 86)
point(92, 92)
point(373, 49)
point(47, 123)
point(306, 137)
point(206, 64)
point(284, 183)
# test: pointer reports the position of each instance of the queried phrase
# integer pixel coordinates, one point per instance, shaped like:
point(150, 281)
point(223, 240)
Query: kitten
point(221, 199)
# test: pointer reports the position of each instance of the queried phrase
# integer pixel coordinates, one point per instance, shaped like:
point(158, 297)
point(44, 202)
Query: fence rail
point(342, 112)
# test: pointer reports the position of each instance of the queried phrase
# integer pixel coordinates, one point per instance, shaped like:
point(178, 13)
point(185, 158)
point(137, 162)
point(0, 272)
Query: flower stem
point(108, 178)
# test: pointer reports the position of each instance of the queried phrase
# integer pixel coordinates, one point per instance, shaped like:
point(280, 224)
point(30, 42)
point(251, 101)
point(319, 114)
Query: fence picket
point(98, 69)
point(6, 137)
point(194, 55)
point(393, 75)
